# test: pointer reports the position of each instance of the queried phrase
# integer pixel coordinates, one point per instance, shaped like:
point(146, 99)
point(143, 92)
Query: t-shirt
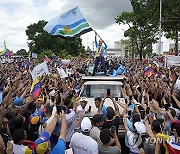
point(79, 108)
point(70, 127)
point(133, 144)
point(95, 134)
point(20, 149)
point(83, 144)
point(149, 147)
point(60, 147)
point(109, 150)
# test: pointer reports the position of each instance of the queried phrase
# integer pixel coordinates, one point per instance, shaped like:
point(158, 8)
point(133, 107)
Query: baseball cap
point(140, 127)
point(44, 137)
point(86, 124)
point(98, 118)
point(34, 120)
point(41, 148)
point(35, 117)
point(83, 99)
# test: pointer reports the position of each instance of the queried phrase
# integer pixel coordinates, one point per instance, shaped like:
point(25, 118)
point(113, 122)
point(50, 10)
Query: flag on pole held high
point(69, 24)
point(5, 52)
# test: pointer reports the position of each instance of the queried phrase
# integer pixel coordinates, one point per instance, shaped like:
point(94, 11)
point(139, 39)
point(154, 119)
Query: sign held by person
point(39, 70)
point(62, 73)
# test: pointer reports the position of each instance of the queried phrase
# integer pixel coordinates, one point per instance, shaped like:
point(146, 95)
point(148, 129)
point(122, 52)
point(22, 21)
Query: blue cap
point(18, 100)
point(44, 137)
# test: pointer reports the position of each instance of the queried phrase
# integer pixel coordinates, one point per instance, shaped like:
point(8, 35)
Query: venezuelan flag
point(36, 88)
point(6, 52)
point(172, 148)
point(148, 72)
point(2, 52)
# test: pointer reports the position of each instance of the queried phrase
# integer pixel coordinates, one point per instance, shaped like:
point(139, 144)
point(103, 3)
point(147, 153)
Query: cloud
point(99, 13)
point(16, 15)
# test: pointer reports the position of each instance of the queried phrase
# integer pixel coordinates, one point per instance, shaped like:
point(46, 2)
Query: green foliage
point(48, 53)
point(39, 41)
point(21, 52)
point(143, 25)
point(171, 20)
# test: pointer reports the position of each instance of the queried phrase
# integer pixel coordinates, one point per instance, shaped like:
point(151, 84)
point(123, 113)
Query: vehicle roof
point(103, 83)
point(104, 78)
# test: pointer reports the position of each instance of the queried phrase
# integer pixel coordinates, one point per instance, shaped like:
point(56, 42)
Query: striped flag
point(148, 72)
point(69, 24)
point(2, 52)
point(6, 52)
point(173, 148)
point(36, 88)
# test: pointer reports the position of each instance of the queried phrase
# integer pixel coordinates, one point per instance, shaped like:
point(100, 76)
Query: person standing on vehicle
point(99, 54)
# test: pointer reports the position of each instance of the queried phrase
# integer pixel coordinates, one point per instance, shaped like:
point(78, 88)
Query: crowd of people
point(56, 121)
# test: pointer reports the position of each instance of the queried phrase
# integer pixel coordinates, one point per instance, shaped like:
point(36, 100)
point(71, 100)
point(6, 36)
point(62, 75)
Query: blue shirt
point(121, 69)
point(103, 47)
point(1, 97)
point(112, 73)
point(104, 111)
point(60, 147)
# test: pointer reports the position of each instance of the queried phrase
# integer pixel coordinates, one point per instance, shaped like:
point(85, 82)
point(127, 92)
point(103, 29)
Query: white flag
point(62, 73)
point(39, 70)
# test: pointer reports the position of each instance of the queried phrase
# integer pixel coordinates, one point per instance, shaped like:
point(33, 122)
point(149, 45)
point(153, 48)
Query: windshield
point(100, 90)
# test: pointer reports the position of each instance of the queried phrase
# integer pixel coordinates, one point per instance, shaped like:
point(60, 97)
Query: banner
point(39, 70)
point(62, 73)
point(34, 55)
point(171, 60)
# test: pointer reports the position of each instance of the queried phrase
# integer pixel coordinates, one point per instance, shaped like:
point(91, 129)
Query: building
point(117, 51)
point(113, 52)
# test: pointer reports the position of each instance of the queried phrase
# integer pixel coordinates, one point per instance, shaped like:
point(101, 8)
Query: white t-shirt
point(19, 149)
point(79, 108)
point(82, 144)
point(133, 145)
point(95, 134)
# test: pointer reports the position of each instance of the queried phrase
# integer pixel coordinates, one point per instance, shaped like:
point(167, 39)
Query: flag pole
point(4, 44)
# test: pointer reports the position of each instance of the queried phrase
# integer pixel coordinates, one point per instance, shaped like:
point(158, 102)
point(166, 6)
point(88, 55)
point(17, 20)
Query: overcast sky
point(16, 15)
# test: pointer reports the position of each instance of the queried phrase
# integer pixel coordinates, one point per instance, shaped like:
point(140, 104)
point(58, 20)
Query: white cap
point(140, 127)
point(86, 124)
point(83, 99)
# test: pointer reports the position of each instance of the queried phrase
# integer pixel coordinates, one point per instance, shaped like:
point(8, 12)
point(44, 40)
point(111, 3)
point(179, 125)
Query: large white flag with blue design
point(69, 24)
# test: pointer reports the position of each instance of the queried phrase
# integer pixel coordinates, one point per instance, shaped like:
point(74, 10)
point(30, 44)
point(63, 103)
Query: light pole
point(160, 20)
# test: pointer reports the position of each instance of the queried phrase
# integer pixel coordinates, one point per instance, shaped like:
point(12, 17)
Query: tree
point(171, 20)
point(39, 41)
point(143, 25)
point(47, 53)
point(143, 22)
point(21, 52)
